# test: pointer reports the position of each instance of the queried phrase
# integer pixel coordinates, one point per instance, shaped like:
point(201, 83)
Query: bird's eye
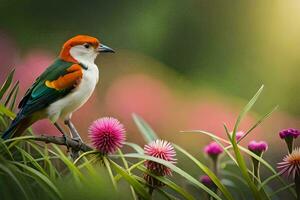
point(86, 46)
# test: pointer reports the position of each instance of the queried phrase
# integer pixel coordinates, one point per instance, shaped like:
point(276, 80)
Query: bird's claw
point(79, 141)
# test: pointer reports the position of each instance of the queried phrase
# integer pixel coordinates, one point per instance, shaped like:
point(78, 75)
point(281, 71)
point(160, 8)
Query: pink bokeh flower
point(291, 164)
point(107, 134)
point(163, 150)
point(257, 147)
point(213, 149)
point(239, 135)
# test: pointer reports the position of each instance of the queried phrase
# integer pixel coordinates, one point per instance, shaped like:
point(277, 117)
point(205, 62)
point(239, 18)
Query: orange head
point(82, 48)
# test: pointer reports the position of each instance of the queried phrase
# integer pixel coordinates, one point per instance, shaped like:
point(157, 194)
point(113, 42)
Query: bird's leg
point(62, 132)
point(74, 132)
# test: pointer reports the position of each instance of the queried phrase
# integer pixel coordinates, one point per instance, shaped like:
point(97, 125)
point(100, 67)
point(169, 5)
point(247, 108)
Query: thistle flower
point(257, 147)
point(107, 135)
point(289, 135)
point(163, 150)
point(291, 164)
point(213, 149)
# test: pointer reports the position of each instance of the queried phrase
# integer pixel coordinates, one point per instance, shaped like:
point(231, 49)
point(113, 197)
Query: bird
point(62, 88)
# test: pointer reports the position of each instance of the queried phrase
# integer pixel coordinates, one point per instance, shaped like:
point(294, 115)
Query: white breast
point(64, 107)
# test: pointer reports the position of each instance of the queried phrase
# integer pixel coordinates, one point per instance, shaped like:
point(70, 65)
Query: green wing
point(39, 96)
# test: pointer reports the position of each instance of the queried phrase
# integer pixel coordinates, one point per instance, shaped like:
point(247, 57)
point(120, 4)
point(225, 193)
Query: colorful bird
point(62, 88)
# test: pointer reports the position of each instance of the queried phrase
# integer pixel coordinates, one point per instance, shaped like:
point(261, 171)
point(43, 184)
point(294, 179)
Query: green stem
point(107, 165)
point(290, 143)
point(255, 168)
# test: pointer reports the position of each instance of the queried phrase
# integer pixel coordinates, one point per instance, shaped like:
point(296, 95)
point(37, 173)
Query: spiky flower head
point(107, 134)
point(291, 164)
point(257, 147)
point(163, 150)
point(213, 150)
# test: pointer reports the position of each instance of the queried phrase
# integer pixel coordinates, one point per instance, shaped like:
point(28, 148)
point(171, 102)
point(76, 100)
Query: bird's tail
point(17, 127)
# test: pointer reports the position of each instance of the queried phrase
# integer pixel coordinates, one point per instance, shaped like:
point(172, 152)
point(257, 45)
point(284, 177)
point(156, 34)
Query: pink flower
point(107, 134)
point(213, 149)
point(257, 147)
point(291, 163)
point(294, 133)
point(288, 135)
point(163, 150)
point(239, 135)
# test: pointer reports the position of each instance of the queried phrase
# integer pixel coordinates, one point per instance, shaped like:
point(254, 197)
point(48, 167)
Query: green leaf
point(135, 184)
point(136, 147)
point(7, 83)
point(147, 132)
point(245, 110)
point(7, 112)
point(175, 169)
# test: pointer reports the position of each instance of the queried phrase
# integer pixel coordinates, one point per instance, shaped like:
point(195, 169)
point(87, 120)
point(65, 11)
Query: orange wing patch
point(70, 79)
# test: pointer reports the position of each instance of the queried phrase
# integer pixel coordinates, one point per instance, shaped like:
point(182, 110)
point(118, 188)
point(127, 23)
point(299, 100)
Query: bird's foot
point(66, 142)
point(79, 141)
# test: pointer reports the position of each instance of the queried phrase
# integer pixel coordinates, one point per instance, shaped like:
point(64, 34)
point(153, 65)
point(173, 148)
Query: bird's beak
point(104, 48)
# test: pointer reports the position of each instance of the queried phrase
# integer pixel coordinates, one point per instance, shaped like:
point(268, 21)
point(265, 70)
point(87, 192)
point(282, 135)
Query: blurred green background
point(179, 64)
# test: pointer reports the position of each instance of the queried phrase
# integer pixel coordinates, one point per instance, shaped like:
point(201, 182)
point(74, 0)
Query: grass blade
point(11, 93)
point(6, 111)
point(135, 184)
point(136, 147)
point(7, 83)
point(245, 110)
point(147, 132)
point(14, 178)
point(40, 176)
point(258, 123)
